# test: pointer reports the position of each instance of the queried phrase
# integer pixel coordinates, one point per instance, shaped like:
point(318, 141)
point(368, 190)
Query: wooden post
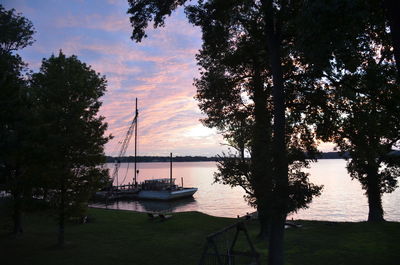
point(182, 181)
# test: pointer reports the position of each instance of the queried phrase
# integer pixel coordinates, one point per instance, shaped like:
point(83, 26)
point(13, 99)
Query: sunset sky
point(159, 71)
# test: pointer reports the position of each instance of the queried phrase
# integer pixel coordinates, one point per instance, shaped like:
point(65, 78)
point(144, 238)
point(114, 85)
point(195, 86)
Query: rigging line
point(124, 147)
point(114, 151)
point(126, 173)
point(137, 149)
point(120, 140)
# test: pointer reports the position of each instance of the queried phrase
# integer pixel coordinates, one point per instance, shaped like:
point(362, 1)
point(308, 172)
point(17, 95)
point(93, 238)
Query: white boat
point(163, 189)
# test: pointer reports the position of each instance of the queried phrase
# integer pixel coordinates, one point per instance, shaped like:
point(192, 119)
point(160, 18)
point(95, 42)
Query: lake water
point(342, 199)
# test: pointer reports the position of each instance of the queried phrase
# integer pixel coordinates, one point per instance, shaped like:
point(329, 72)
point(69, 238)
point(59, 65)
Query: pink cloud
point(96, 21)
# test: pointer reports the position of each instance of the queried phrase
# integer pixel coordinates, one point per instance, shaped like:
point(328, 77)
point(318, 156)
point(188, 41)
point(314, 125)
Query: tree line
point(277, 77)
point(51, 136)
point(221, 158)
point(146, 159)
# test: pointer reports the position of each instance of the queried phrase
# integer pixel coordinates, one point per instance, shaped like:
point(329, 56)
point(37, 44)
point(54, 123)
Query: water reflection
point(213, 199)
point(342, 198)
point(182, 205)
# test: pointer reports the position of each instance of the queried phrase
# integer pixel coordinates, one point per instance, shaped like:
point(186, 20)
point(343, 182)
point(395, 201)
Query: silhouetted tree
point(367, 126)
point(67, 92)
point(16, 31)
point(276, 19)
point(235, 93)
point(17, 120)
point(358, 79)
point(344, 39)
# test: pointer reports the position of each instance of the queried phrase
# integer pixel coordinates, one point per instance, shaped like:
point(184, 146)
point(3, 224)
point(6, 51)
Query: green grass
point(123, 237)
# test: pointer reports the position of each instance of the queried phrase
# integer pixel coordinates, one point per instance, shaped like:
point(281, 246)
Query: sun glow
point(200, 131)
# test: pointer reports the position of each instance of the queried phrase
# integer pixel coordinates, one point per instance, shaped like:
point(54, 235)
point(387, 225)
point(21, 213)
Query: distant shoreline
point(154, 159)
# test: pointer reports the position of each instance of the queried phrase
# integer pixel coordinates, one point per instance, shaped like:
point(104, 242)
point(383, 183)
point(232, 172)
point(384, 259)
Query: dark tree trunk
point(276, 246)
point(61, 217)
point(375, 213)
point(280, 164)
point(261, 155)
point(265, 223)
point(393, 14)
point(17, 214)
point(17, 194)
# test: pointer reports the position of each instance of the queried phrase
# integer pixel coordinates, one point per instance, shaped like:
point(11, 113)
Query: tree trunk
point(279, 153)
point(393, 15)
point(276, 246)
point(18, 201)
point(261, 155)
point(61, 220)
point(17, 214)
point(265, 223)
point(375, 213)
point(280, 166)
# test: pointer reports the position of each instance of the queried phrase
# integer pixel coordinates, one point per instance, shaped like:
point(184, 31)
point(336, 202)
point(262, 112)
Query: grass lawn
point(123, 237)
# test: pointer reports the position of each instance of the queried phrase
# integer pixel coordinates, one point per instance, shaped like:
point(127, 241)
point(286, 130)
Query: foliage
point(231, 66)
point(67, 93)
point(16, 31)
point(369, 129)
point(17, 127)
point(144, 11)
point(344, 44)
point(360, 112)
point(14, 103)
point(392, 8)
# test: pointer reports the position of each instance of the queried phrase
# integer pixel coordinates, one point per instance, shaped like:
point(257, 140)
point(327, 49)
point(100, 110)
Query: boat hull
point(116, 195)
point(165, 195)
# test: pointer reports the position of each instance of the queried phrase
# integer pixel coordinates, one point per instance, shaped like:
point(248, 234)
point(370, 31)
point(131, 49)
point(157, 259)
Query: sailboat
point(164, 188)
point(151, 189)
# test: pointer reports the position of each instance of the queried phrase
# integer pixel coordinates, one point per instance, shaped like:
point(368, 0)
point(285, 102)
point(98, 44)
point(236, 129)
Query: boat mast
point(136, 114)
point(170, 170)
point(124, 147)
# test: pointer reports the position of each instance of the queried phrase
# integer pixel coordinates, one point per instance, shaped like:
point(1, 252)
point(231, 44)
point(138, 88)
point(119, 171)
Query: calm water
point(342, 199)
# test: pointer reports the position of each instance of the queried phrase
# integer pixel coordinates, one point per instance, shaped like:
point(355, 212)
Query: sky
point(159, 71)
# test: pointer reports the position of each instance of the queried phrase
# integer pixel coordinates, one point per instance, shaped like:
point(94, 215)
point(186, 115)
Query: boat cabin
point(159, 184)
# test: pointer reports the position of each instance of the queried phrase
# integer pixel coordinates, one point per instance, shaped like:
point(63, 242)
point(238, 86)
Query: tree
point(67, 93)
point(368, 128)
point(16, 31)
point(276, 19)
point(17, 152)
point(235, 92)
point(358, 78)
point(342, 38)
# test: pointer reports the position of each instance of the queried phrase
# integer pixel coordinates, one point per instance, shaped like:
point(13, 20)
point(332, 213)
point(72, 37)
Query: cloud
point(159, 71)
point(95, 21)
point(163, 84)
